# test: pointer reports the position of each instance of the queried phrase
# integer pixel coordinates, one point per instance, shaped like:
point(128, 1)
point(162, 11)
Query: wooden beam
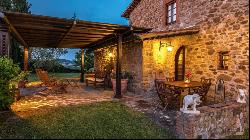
point(72, 27)
point(26, 57)
point(13, 29)
point(118, 67)
point(82, 66)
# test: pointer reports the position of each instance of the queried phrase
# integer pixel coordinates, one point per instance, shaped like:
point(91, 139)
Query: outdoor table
point(72, 81)
point(182, 85)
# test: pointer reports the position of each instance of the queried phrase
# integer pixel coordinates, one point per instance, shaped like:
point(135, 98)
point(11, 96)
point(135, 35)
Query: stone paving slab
point(74, 96)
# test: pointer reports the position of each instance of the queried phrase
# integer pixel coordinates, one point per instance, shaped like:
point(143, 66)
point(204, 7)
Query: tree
point(46, 53)
point(88, 59)
point(21, 6)
point(46, 57)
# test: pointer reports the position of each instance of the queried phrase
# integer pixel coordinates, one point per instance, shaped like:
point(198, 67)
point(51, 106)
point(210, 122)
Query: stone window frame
point(223, 62)
point(166, 4)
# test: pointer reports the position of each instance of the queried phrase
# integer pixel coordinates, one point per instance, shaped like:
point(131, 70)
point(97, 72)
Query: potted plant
point(124, 81)
point(21, 82)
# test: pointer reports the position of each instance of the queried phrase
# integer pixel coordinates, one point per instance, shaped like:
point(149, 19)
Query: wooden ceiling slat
point(80, 40)
point(95, 28)
point(89, 33)
point(22, 26)
point(39, 31)
point(92, 31)
point(40, 23)
point(84, 35)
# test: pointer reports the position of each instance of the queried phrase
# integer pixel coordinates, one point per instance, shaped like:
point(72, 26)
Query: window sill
point(222, 68)
point(172, 23)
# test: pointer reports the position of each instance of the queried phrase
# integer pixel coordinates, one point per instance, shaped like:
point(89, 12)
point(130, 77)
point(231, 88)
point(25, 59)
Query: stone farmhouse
point(207, 37)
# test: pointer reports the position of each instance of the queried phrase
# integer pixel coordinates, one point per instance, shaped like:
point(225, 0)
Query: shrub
point(8, 72)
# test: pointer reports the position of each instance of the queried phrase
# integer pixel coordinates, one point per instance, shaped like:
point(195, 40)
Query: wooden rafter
point(72, 27)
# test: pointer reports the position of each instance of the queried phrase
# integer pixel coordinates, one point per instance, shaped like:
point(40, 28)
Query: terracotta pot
point(22, 84)
point(17, 95)
point(124, 85)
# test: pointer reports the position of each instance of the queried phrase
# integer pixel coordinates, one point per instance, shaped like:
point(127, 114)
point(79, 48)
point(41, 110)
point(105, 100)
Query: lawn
point(33, 77)
point(99, 120)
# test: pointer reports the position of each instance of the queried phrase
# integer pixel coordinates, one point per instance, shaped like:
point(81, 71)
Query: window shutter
point(4, 43)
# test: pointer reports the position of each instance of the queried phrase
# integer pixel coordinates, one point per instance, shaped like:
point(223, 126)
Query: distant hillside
point(66, 62)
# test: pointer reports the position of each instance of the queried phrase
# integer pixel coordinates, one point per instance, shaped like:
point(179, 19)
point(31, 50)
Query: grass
point(100, 120)
point(33, 77)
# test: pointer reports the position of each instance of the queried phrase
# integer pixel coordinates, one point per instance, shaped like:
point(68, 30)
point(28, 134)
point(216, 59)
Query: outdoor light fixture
point(168, 45)
point(110, 55)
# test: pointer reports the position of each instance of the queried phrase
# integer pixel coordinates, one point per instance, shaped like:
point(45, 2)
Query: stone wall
point(131, 62)
point(212, 122)
point(224, 26)
point(157, 60)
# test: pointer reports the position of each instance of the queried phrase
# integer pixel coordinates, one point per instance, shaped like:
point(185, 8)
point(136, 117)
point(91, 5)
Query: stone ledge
point(213, 122)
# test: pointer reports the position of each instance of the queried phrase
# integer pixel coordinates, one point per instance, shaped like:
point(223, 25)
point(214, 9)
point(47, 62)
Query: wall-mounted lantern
point(167, 45)
point(110, 54)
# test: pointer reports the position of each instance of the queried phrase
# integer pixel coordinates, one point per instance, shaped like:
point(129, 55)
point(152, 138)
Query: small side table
point(72, 81)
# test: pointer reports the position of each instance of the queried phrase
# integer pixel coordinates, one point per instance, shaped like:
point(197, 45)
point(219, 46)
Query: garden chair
point(170, 79)
point(54, 84)
point(98, 78)
point(203, 90)
point(204, 80)
point(169, 95)
point(160, 75)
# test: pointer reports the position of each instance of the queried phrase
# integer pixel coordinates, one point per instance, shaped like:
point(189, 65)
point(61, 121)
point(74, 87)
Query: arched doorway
point(180, 64)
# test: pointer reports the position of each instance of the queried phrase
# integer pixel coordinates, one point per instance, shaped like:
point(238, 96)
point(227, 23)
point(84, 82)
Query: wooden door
point(180, 64)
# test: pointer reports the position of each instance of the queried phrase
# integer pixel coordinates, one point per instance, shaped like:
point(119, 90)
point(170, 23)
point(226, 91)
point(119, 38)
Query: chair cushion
point(93, 79)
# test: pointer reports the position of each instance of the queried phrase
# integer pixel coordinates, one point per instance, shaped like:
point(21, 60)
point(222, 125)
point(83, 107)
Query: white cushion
point(93, 79)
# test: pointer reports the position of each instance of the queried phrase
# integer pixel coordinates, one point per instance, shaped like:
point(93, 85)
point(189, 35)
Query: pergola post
point(82, 66)
point(118, 67)
point(26, 57)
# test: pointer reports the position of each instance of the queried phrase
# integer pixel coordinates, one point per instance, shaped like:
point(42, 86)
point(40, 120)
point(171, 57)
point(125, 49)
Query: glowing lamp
point(167, 45)
point(110, 55)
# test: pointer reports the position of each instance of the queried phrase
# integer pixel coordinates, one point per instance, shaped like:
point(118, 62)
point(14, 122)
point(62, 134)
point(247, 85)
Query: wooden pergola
point(51, 32)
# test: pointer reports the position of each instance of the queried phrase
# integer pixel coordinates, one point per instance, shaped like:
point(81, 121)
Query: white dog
point(192, 100)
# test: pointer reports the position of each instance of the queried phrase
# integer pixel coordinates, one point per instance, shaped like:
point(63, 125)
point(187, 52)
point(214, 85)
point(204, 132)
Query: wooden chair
point(98, 78)
point(204, 80)
point(169, 95)
point(203, 90)
point(57, 86)
point(170, 79)
point(160, 75)
point(44, 77)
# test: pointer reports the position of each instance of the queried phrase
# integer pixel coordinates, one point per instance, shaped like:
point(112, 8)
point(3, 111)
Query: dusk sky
point(108, 11)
